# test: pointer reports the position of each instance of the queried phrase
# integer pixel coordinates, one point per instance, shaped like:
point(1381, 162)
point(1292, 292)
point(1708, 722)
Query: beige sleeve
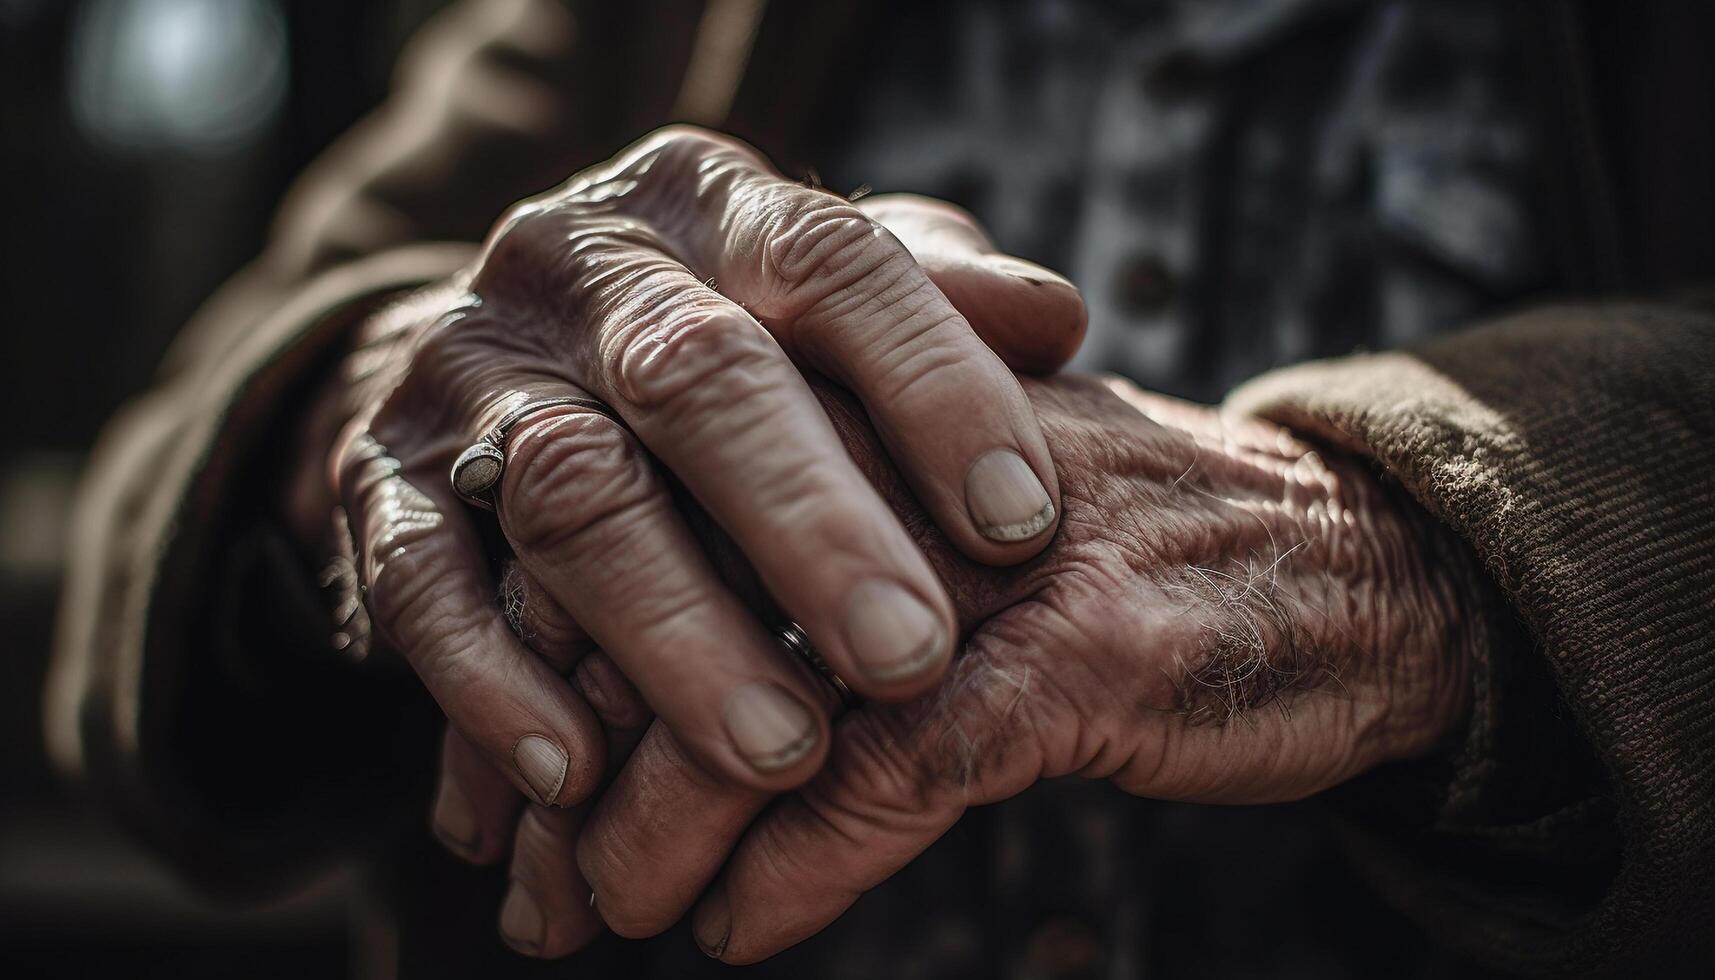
point(1574, 449)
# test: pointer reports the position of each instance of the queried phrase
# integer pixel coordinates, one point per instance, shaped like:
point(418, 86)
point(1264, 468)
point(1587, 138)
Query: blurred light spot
point(193, 74)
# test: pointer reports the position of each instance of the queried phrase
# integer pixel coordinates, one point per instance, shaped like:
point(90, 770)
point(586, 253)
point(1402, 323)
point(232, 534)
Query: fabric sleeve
point(236, 752)
point(143, 680)
point(1573, 449)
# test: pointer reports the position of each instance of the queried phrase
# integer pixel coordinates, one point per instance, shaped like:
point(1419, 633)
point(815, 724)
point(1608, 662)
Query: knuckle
point(823, 242)
point(672, 164)
point(411, 600)
point(569, 475)
point(689, 140)
point(517, 240)
point(618, 280)
point(693, 148)
point(839, 268)
point(518, 222)
point(695, 358)
point(545, 248)
point(922, 355)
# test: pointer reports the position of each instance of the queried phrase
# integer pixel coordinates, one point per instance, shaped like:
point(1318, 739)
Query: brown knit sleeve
point(1573, 449)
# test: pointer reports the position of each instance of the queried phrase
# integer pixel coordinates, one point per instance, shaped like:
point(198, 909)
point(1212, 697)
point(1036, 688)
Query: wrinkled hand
point(1223, 616)
point(683, 283)
point(678, 283)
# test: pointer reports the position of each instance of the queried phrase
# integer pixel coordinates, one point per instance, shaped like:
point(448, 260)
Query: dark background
point(145, 145)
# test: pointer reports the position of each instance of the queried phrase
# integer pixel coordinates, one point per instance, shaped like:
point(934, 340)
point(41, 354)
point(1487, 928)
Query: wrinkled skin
point(1223, 616)
point(605, 289)
point(1211, 612)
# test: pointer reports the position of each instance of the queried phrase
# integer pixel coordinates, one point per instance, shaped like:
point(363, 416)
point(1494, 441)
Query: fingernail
point(890, 632)
point(521, 922)
point(455, 820)
point(1028, 271)
point(770, 728)
point(1005, 498)
point(543, 766)
point(712, 922)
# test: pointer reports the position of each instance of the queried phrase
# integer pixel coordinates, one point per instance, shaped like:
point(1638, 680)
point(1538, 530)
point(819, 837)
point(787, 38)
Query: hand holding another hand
point(682, 284)
point(1223, 616)
point(607, 289)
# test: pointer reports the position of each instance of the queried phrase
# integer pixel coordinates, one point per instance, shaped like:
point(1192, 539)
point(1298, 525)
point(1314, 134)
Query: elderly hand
point(678, 284)
point(1223, 616)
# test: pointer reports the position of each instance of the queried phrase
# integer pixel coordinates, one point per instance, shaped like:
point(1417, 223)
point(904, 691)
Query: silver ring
point(797, 642)
point(478, 469)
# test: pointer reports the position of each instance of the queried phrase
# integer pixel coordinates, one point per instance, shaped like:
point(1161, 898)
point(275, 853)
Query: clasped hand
point(822, 421)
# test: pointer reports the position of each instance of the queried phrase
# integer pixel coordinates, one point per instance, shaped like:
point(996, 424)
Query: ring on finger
point(797, 642)
point(478, 469)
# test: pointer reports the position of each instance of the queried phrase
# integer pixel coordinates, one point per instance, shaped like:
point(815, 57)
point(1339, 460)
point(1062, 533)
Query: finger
point(644, 876)
point(623, 713)
point(898, 778)
point(646, 872)
point(593, 522)
point(476, 806)
point(713, 396)
point(547, 883)
point(658, 835)
point(547, 911)
point(846, 297)
point(539, 621)
point(552, 632)
point(429, 596)
point(1033, 318)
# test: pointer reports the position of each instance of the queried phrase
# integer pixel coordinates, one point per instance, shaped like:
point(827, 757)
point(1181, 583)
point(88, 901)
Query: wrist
point(1442, 606)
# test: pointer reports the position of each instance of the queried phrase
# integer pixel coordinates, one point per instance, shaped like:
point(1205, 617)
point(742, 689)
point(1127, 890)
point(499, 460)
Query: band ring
point(478, 469)
point(797, 642)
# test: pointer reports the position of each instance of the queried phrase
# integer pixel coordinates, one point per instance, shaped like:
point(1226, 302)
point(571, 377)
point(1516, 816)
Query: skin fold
point(605, 288)
point(1224, 616)
point(819, 415)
